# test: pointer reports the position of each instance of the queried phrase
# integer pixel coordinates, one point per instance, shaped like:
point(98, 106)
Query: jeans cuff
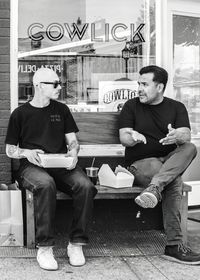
point(79, 241)
point(45, 243)
point(175, 242)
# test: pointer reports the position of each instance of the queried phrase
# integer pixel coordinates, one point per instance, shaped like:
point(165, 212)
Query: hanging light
point(126, 52)
point(133, 49)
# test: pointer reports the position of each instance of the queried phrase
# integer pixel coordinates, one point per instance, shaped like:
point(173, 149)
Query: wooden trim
point(184, 215)
point(13, 54)
point(101, 150)
point(30, 220)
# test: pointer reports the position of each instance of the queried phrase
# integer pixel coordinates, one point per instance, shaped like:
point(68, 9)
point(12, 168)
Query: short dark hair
point(160, 74)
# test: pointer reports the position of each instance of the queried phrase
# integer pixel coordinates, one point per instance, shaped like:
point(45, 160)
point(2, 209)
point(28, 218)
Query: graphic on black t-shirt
point(55, 118)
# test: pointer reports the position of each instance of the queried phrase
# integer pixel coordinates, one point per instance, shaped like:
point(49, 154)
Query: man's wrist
point(180, 142)
point(74, 148)
point(22, 153)
point(73, 152)
point(180, 139)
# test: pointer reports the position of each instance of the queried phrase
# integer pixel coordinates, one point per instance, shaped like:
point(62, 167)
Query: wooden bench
point(99, 137)
point(103, 193)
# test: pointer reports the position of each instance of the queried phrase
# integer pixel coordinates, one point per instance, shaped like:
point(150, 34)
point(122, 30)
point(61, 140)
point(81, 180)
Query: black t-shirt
point(41, 128)
point(152, 122)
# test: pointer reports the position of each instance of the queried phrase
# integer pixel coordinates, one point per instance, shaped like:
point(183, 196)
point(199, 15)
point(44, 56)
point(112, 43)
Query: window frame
point(178, 7)
point(14, 45)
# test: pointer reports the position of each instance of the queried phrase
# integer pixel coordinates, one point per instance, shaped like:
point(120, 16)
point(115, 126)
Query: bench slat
point(102, 150)
point(108, 193)
point(116, 193)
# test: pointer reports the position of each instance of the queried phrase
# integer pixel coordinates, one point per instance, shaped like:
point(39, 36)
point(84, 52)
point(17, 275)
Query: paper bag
point(11, 220)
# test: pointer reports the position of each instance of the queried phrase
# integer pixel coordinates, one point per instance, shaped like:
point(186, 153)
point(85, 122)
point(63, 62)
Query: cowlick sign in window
point(110, 32)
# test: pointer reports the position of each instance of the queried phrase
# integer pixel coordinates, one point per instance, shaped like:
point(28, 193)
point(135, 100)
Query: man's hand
point(138, 137)
point(129, 137)
point(32, 156)
point(72, 154)
point(171, 137)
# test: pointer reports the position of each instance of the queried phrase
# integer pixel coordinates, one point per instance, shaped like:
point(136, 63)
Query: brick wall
point(5, 168)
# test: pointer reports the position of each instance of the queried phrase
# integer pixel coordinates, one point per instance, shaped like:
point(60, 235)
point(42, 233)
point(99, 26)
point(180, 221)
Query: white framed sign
point(113, 94)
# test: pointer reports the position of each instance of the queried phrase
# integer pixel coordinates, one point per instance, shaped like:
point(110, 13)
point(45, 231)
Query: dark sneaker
point(181, 254)
point(149, 198)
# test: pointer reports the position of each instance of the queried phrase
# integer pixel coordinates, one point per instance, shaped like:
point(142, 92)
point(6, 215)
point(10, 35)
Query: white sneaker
point(75, 254)
point(46, 258)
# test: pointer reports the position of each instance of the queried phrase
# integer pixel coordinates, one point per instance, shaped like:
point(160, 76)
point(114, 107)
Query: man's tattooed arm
point(73, 148)
point(74, 145)
point(13, 151)
point(32, 155)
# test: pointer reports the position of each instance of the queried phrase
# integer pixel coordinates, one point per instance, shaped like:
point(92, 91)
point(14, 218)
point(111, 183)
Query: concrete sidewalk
point(132, 266)
point(100, 268)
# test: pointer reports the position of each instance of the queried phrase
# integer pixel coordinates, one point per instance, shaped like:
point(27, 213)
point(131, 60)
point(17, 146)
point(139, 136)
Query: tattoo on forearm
point(12, 150)
point(73, 145)
point(20, 152)
point(15, 152)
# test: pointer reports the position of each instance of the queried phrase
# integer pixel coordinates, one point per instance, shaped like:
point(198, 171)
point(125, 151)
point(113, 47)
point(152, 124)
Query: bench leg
point(184, 215)
point(30, 220)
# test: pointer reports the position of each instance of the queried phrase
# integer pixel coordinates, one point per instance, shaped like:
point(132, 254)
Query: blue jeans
point(43, 183)
point(165, 173)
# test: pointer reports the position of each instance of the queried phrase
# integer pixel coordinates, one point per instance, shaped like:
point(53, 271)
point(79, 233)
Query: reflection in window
point(83, 41)
point(186, 43)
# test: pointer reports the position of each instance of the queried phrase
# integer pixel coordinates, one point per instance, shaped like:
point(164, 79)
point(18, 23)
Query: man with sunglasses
point(45, 125)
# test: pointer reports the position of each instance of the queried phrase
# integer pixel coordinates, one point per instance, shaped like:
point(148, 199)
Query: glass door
point(186, 66)
point(183, 58)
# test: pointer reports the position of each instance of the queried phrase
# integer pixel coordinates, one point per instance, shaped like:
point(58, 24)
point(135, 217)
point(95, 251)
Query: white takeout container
point(55, 160)
point(123, 179)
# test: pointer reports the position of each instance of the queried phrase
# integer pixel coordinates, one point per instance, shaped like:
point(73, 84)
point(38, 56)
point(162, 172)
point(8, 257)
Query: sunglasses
point(55, 83)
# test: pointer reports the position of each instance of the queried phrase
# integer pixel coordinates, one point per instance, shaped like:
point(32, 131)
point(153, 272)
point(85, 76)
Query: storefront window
point(186, 47)
point(96, 47)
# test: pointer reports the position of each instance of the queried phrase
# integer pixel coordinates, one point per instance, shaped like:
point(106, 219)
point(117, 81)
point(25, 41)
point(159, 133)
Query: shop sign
point(65, 30)
point(113, 94)
point(32, 68)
